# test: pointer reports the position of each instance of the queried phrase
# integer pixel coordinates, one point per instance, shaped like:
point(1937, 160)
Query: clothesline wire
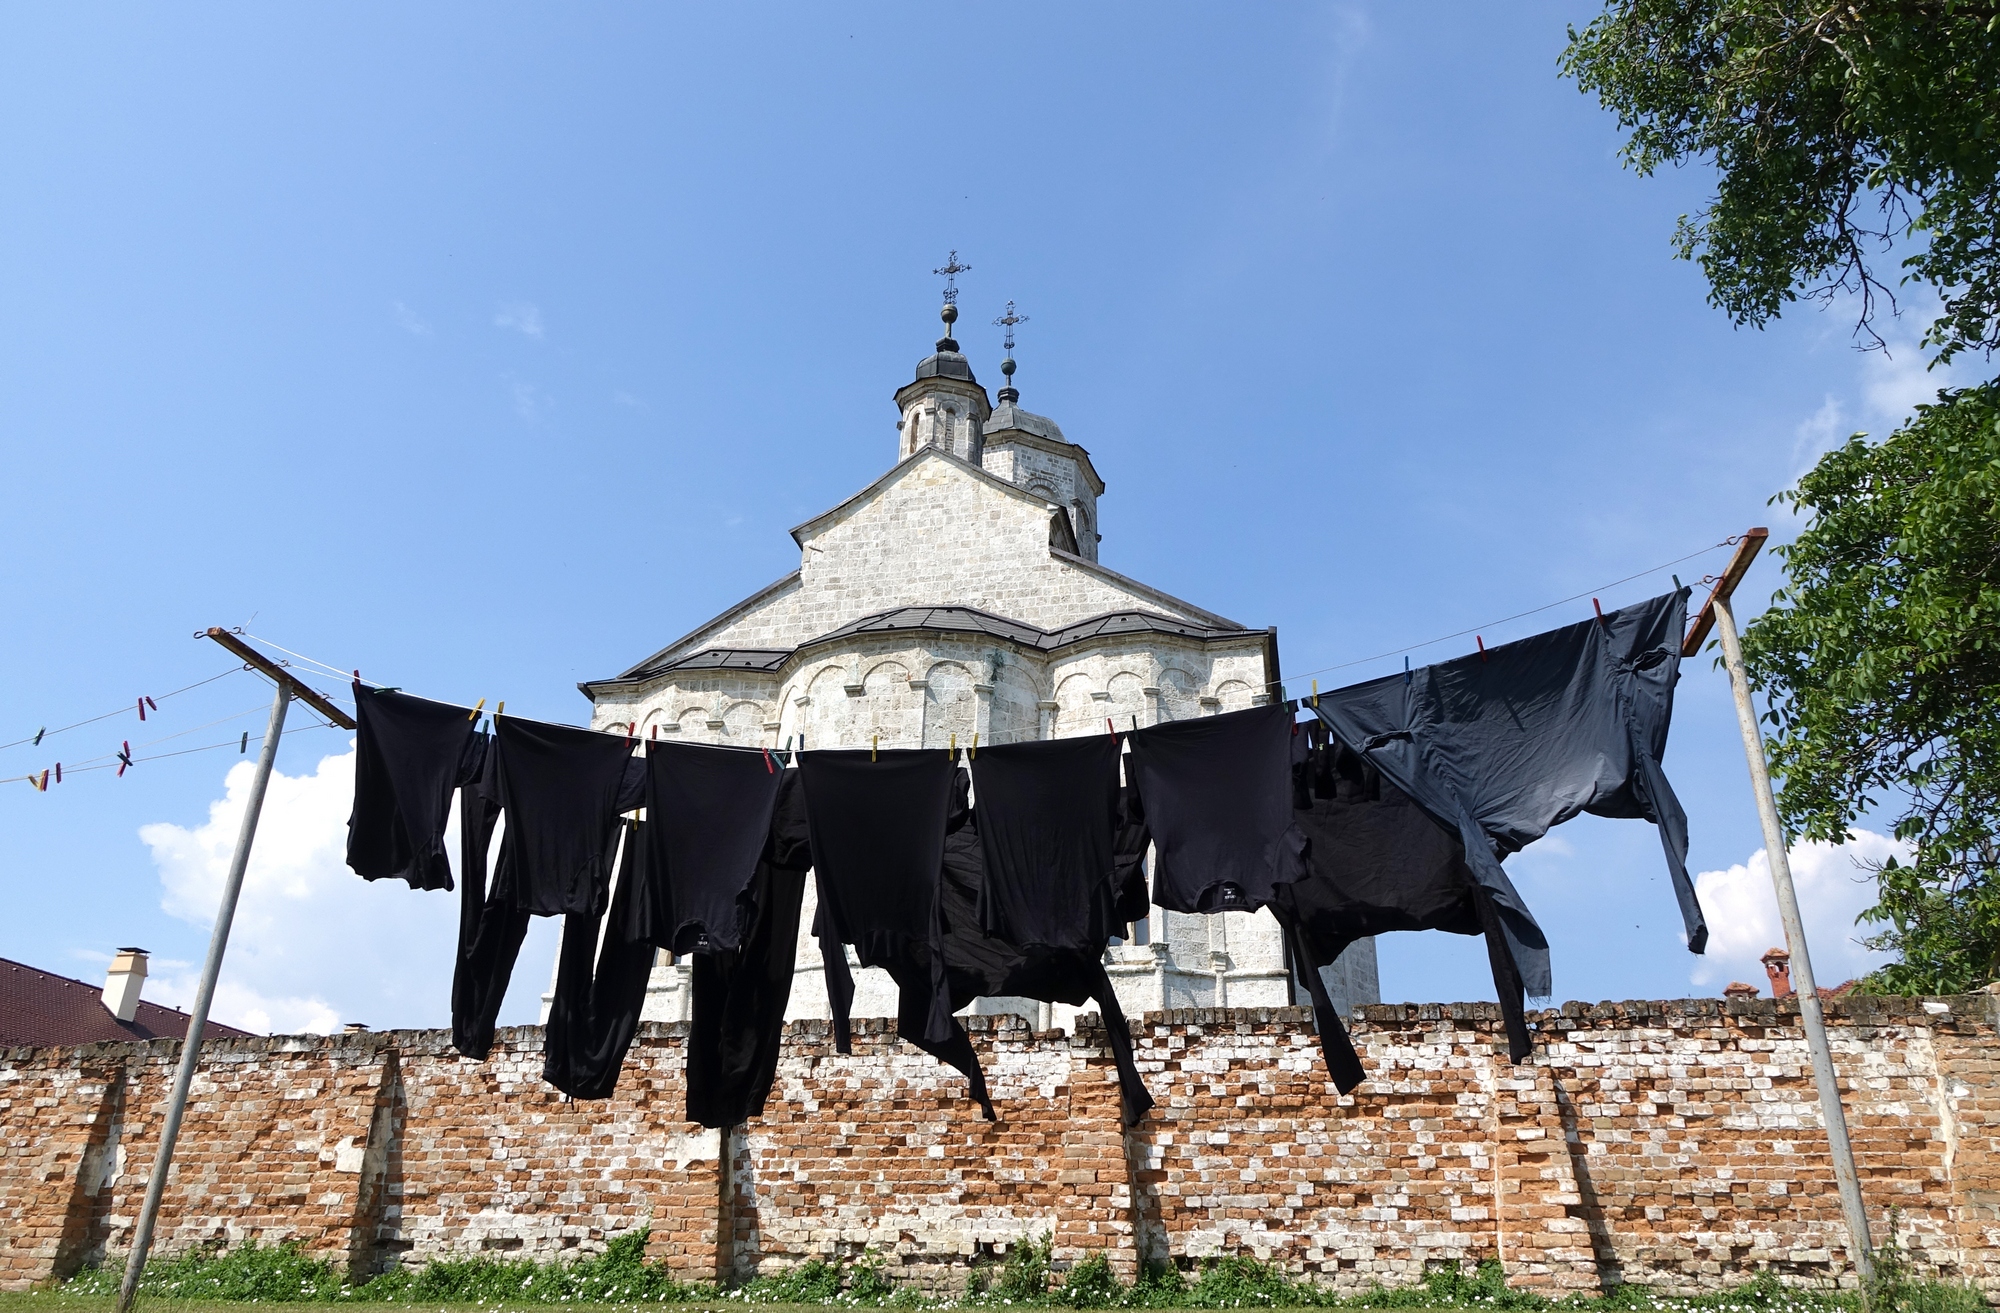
point(1520, 615)
point(112, 756)
point(162, 756)
point(32, 738)
point(335, 671)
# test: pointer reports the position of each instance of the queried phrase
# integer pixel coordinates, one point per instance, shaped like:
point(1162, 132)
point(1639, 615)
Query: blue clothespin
point(1406, 670)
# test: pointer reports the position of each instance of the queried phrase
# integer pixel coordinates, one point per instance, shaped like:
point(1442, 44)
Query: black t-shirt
point(560, 789)
point(708, 812)
point(1217, 795)
point(410, 753)
point(1048, 825)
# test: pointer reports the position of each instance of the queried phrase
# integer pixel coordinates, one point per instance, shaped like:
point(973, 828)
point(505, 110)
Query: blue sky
point(488, 348)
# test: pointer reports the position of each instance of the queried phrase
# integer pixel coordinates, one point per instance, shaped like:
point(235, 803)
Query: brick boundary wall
point(1675, 1145)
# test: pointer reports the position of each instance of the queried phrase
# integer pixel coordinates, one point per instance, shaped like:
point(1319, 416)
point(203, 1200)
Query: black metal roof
point(940, 620)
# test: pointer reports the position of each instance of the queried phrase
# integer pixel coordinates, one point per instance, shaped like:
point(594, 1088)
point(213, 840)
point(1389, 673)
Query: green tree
point(1841, 132)
point(1881, 661)
point(1844, 136)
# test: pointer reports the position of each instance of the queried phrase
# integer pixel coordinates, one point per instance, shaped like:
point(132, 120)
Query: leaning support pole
point(142, 1235)
point(1718, 612)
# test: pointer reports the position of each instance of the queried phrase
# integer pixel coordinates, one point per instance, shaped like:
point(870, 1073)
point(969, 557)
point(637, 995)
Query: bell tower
point(944, 406)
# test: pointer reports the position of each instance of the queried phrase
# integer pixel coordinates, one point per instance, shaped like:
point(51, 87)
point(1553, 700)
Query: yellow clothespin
point(1315, 692)
point(500, 710)
point(874, 746)
point(474, 713)
point(954, 747)
point(975, 744)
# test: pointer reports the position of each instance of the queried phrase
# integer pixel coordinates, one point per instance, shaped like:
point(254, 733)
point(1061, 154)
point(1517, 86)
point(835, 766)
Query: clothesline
point(1521, 615)
point(41, 734)
point(162, 756)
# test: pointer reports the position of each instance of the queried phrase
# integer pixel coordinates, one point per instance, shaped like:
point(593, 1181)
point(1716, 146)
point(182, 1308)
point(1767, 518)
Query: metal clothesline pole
point(1717, 612)
point(232, 888)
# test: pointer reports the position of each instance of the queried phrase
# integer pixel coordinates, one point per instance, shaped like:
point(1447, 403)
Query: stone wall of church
point(1672, 1145)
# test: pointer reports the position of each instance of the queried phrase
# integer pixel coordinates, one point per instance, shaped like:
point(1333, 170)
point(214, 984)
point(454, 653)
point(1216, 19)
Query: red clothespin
point(1110, 728)
point(769, 769)
point(124, 757)
point(41, 782)
point(653, 732)
point(1600, 610)
point(58, 772)
point(1482, 645)
point(154, 705)
point(142, 708)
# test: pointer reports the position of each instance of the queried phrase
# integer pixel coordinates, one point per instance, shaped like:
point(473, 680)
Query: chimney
point(1739, 989)
point(1778, 965)
point(123, 982)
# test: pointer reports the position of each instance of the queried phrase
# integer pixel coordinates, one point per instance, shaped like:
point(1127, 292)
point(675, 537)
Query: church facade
point(959, 598)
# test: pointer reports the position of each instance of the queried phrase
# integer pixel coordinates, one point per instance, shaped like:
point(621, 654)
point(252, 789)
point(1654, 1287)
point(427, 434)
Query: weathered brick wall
point(1675, 1145)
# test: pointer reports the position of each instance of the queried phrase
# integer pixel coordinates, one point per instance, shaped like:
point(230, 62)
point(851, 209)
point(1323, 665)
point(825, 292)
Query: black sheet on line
point(599, 991)
point(1217, 795)
point(738, 1013)
point(561, 790)
point(1133, 901)
point(708, 812)
point(1504, 746)
point(1048, 829)
point(410, 753)
point(878, 824)
point(1376, 863)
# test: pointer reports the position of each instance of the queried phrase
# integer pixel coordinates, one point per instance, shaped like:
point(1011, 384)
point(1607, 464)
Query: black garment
point(599, 992)
point(410, 753)
point(982, 965)
point(738, 1020)
point(1217, 793)
point(489, 934)
point(1376, 862)
point(878, 824)
point(1048, 826)
point(1505, 745)
point(561, 790)
point(708, 812)
point(1132, 901)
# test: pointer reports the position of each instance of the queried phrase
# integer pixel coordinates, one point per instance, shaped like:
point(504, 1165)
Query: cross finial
point(950, 270)
point(1007, 321)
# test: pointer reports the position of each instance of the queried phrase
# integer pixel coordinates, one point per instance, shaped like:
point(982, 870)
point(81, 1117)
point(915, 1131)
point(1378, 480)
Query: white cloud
point(409, 320)
point(529, 401)
point(1818, 435)
point(1833, 886)
point(520, 316)
point(313, 944)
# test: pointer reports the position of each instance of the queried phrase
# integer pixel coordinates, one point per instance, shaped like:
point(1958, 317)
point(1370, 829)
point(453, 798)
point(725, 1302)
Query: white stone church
point(961, 595)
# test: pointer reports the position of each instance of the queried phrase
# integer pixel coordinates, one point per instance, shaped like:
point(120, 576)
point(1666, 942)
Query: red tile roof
point(39, 1007)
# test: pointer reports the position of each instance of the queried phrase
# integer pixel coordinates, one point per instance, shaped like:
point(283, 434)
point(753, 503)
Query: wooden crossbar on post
point(252, 657)
point(1717, 614)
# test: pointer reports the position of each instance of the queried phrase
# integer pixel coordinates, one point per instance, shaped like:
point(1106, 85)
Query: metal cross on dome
point(1007, 321)
point(950, 270)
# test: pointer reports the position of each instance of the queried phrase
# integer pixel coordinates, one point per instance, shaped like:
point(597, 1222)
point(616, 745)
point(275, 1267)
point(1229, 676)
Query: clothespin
point(58, 772)
point(1315, 692)
point(1600, 610)
point(769, 769)
point(1678, 585)
point(630, 726)
point(954, 747)
point(1110, 728)
point(975, 746)
point(653, 731)
point(244, 745)
point(1406, 670)
point(142, 708)
point(124, 757)
point(500, 710)
point(1479, 639)
point(874, 747)
point(38, 735)
point(471, 715)
point(42, 782)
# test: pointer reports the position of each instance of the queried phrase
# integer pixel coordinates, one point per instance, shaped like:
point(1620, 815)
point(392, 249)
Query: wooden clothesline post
point(239, 861)
point(1716, 614)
